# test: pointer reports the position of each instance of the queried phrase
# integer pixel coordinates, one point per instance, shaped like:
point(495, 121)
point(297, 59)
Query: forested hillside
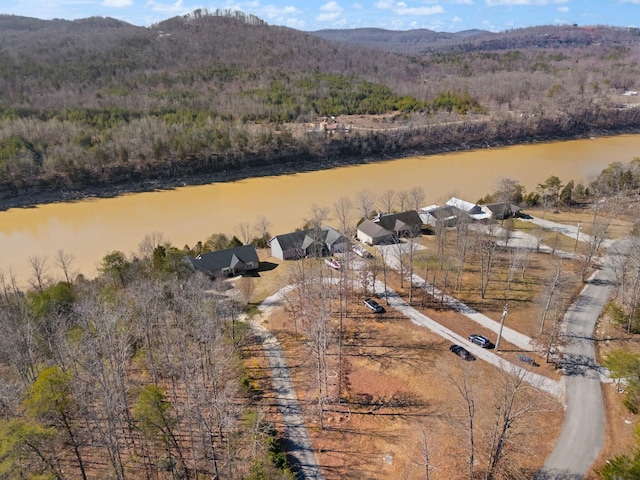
point(97, 104)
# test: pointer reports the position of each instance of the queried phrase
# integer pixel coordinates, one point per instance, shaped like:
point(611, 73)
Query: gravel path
point(298, 443)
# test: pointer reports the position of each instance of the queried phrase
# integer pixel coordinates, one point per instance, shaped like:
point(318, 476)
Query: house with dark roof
point(502, 210)
point(372, 233)
point(308, 243)
point(227, 263)
point(440, 216)
point(473, 210)
point(405, 224)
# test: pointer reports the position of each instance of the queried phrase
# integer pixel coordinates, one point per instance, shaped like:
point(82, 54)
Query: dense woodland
point(137, 374)
point(99, 105)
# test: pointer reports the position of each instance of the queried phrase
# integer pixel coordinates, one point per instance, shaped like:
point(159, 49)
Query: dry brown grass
point(399, 376)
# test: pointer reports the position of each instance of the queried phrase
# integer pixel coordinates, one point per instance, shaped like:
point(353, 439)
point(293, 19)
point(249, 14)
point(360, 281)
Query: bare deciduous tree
point(387, 200)
point(464, 385)
point(342, 209)
point(39, 270)
point(416, 198)
point(65, 261)
point(403, 199)
point(243, 230)
point(366, 200)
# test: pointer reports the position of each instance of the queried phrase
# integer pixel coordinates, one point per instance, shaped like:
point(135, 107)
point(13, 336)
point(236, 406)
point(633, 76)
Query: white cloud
point(273, 11)
point(172, 8)
point(510, 3)
point(384, 4)
point(332, 7)
point(117, 3)
point(401, 8)
point(404, 10)
point(331, 11)
point(563, 9)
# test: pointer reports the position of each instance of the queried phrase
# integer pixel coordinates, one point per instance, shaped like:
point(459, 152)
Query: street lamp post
point(575, 249)
point(504, 315)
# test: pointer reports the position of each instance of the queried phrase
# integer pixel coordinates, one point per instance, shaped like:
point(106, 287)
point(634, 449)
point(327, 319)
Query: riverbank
point(332, 158)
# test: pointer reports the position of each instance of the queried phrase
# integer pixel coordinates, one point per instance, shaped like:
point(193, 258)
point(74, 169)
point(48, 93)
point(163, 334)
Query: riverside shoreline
point(34, 197)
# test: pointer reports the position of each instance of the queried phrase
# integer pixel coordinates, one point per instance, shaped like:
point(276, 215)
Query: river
point(91, 228)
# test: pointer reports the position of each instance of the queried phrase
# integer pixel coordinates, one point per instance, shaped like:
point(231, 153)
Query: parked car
point(481, 340)
point(361, 251)
point(333, 263)
point(373, 305)
point(462, 352)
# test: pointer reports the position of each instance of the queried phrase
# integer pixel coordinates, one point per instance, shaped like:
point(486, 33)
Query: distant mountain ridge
point(428, 41)
point(405, 41)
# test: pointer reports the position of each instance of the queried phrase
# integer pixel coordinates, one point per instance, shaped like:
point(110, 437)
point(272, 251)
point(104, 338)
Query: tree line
point(214, 92)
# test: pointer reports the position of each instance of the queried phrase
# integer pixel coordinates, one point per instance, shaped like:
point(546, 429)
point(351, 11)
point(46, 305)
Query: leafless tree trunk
point(511, 405)
point(366, 201)
point(518, 257)
point(343, 209)
point(39, 270)
point(551, 291)
point(262, 226)
point(243, 230)
point(150, 242)
point(387, 200)
point(462, 239)
point(65, 262)
point(424, 452)
point(416, 198)
point(486, 250)
point(464, 386)
point(403, 199)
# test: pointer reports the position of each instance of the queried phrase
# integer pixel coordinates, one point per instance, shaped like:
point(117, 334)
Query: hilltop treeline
point(98, 104)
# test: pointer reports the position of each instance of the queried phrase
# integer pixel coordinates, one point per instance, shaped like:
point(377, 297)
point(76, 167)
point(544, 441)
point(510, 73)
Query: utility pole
point(504, 315)
point(575, 249)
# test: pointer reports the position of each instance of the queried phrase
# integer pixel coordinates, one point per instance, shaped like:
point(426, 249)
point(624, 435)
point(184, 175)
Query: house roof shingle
point(373, 229)
point(215, 261)
point(407, 219)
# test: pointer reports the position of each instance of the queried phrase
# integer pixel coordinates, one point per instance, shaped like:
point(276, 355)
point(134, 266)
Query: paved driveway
point(582, 434)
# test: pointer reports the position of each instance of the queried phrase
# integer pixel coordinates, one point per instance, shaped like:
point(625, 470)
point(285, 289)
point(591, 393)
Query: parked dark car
point(373, 305)
point(481, 340)
point(462, 352)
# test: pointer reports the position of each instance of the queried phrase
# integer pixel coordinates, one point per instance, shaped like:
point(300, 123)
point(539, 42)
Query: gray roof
point(334, 236)
point(503, 208)
point(211, 262)
point(400, 221)
point(373, 229)
point(444, 213)
point(305, 238)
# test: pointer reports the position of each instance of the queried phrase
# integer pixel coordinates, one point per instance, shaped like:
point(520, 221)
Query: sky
point(307, 15)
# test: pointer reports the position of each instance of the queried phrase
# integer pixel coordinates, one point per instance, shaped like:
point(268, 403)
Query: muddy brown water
point(91, 228)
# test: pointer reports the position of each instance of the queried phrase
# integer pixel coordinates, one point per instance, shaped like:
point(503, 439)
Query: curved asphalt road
point(582, 434)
